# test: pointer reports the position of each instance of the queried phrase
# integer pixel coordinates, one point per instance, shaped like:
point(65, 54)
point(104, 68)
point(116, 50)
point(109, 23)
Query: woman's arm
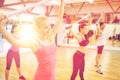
point(99, 33)
point(89, 20)
point(59, 19)
point(9, 37)
point(75, 35)
point(103, 17)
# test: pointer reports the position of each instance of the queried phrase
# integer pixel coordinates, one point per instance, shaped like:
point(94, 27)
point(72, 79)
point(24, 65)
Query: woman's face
point(46, 27)
point(42, 25)
point(85, 30)
point(102, 27)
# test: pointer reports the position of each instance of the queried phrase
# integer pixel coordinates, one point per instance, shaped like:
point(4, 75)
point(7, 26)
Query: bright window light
point(27, 32)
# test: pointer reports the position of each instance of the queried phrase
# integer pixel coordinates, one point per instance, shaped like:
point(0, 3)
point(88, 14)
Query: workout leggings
point(10, 56)
point(78, 64)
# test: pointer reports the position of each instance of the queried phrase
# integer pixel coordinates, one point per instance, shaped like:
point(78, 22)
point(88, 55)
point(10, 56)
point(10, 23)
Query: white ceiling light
point(52, 2)
point(78, 1)
point(91, 1)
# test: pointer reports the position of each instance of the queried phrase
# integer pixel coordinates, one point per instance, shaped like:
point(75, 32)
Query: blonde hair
point(39, 20)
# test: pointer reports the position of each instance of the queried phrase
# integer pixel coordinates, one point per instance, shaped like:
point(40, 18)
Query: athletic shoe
point(22, 78)
point(99, 71)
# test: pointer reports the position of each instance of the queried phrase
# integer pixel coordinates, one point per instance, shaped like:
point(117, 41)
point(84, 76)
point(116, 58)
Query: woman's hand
point(3, 18)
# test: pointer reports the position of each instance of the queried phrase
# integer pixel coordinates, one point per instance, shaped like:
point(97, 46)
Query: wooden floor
point(110, 65)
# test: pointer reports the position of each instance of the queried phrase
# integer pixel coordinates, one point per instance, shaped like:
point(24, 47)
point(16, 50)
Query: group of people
point(43, 45)
point(83, 39)
point(44, 48)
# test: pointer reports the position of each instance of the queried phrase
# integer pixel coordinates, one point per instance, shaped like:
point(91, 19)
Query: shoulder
point(35, 45)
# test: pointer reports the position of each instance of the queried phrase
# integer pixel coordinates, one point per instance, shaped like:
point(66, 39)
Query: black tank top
point(85, 41)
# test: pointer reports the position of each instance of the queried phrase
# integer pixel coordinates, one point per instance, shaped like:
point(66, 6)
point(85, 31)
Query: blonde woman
point(43, 45)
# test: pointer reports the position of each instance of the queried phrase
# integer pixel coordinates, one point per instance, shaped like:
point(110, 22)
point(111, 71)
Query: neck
point(45, 38)
point(82, 33)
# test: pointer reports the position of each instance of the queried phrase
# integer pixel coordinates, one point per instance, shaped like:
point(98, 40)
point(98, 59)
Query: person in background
point(114, 36)
point(13, 53)
point(78, 57)
point(42, 44)
point(101, 41)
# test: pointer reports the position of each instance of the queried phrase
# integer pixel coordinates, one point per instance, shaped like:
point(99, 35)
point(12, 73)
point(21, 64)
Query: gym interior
point(66, 44)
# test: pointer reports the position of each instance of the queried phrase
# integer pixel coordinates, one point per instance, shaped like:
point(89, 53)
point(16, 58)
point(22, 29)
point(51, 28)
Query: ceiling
point(13, 5)
point(6, 2)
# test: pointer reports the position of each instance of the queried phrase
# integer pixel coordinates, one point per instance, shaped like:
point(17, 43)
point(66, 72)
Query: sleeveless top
point(46, 57)
point(101, 39)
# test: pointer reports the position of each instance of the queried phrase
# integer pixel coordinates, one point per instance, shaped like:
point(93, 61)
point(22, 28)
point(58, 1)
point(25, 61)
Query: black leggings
point(78, 64)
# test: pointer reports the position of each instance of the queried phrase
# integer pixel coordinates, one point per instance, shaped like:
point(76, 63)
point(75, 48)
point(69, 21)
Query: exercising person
point(13, 53)
point(42, 44)
point(101, 41)
point(78, 57)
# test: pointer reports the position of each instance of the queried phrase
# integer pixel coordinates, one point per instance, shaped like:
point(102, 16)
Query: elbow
point(12, 41)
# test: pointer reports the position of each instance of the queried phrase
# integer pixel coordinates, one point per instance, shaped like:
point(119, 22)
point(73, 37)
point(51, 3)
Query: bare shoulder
point(34, 45)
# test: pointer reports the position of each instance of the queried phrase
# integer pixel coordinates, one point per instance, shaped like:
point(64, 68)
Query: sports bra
point(85, 41)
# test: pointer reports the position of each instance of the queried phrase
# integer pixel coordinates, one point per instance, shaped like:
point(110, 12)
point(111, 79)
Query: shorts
point(100, 49)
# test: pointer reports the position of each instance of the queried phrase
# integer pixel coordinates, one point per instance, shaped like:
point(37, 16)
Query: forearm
point(61, 10)
point(12, 40)
point(59, 17)
point(8, 36)
point(74, 34)
point(103, 17)
point(89, 20)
